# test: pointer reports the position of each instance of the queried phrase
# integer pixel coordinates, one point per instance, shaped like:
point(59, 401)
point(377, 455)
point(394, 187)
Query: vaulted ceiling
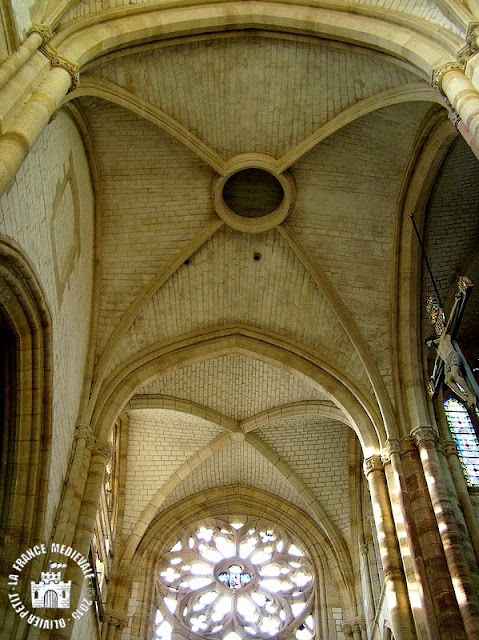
point(348, 123)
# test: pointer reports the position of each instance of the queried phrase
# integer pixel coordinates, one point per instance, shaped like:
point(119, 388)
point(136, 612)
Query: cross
point(449, 359)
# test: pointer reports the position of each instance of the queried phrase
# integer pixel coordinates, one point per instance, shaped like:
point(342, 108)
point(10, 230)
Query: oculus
point(253, 198)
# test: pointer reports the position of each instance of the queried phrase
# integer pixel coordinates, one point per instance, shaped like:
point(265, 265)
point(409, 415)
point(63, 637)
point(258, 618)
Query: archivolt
point(253, 502)
point(28, 417)
point(412, 41)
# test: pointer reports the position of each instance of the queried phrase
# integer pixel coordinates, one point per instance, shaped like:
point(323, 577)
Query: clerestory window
point(235, 581)
point(462, 429)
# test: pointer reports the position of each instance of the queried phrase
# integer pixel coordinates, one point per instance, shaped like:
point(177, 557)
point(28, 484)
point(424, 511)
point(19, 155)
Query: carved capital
point(466, 52)
point(84, 431)
point(43, 31)
point(472, 35)
point(464, 284)
point(373, 463)
point(471, 47)
point(392, 447)
point(102, 449)
point(113, 619)
point(425, 435)
point(439, 72)
point(56, 60)
point(450, 448)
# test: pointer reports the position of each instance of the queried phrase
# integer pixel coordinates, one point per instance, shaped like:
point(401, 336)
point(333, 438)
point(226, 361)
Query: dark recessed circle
point(252, 193)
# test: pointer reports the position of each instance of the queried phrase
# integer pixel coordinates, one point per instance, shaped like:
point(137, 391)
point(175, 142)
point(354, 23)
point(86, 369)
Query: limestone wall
point(49, 213)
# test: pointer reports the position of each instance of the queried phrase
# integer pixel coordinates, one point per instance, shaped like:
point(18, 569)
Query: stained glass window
point(464, 434)
point(235, 581)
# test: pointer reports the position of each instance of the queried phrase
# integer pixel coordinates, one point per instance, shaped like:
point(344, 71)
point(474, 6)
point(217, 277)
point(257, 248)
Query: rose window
point(235, 581)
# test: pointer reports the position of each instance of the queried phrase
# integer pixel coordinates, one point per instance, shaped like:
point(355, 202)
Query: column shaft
point(464, 98)
point(19, 138)
point(395, 584)
point(464, 583)
point(427, 606)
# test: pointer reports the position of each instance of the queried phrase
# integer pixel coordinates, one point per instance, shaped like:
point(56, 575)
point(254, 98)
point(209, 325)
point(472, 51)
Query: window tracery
point(463, 432)
point(235, 581)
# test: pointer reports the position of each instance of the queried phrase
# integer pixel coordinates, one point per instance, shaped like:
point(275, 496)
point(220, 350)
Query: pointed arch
point(122, 386)
point(27, 403)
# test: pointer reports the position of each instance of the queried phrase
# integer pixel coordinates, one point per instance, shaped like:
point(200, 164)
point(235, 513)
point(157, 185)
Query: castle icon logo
point(51, 592)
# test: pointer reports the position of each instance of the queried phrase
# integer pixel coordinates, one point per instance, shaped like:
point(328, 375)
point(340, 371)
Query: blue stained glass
point(462, 429)
point(234, 578)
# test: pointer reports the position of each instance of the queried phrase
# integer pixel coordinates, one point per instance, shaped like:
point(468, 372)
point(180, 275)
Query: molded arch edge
point(110, 92)
point(24, 307)
point(207, 346)
point(163, 532)
point(410, 352)
point(413, 42)
point(321, 408)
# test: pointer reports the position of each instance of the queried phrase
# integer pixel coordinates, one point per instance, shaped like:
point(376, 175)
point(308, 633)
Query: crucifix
point(449, 359)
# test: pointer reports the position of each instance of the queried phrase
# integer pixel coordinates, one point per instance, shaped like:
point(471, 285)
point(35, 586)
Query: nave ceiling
point(160, 119)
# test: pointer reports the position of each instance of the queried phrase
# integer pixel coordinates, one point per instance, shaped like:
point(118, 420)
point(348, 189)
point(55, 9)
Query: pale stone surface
point(424, 9)
point(244, 93)
point(159, 442)
point(320, 457)
point(39, 212)
point(282, 295)
point(235, 385)
point(327, 289)
point(345, 185)
point(237, 463)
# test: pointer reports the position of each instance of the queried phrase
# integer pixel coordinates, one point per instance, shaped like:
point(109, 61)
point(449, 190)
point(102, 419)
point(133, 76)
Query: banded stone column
point(39, 35)
point(446, 615)
point(393, 455)
point(465, 584)
point(450, 451)
point(20, 135)
point(395, 582)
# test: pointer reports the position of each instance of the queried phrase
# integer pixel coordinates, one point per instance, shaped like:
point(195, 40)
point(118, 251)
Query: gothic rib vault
point(246, 367)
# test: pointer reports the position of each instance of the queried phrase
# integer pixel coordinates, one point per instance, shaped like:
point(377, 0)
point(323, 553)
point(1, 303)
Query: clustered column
point(465, 582)
point(395, 582)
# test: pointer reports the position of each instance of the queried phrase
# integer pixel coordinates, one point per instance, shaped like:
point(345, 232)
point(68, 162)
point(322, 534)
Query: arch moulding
point(254, 503)
point(114, 396)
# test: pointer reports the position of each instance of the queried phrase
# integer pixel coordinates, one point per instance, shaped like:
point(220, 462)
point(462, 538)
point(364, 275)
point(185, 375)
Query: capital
point(102, 449)
point(347, 629)
point(392, 446)
point(439, 72)
point(84, 431)
point(450, 448)
point(425, 434)
point(373, 463)
point(112, 619)
point(43, 31)
point(57, 60)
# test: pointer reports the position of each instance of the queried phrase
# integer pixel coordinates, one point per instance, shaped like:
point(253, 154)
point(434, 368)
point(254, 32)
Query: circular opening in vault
point(253, 193)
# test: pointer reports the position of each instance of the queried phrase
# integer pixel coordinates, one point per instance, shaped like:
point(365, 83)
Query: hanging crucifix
point(449, 359)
